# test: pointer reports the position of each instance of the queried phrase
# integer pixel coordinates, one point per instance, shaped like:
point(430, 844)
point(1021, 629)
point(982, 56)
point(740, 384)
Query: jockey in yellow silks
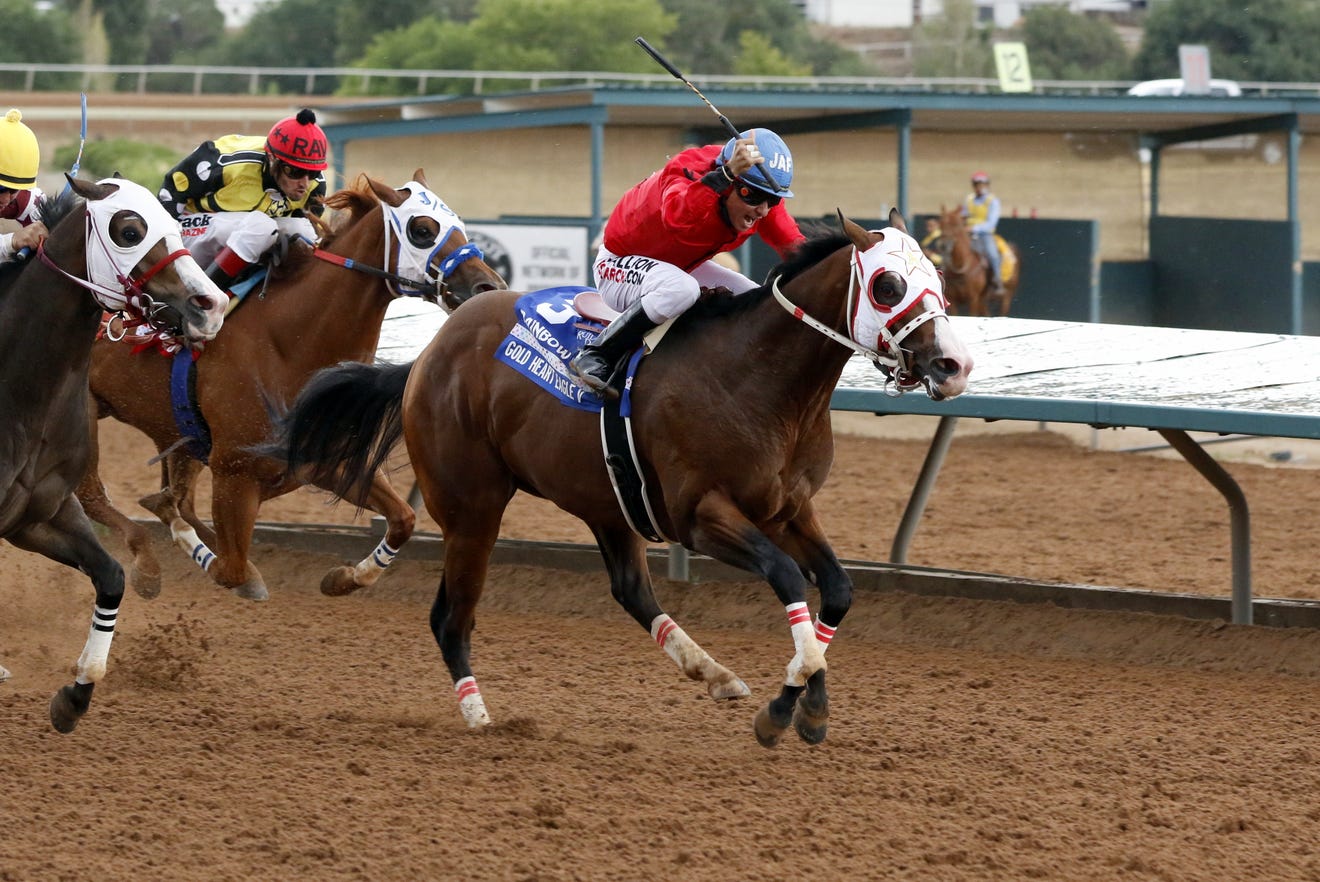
point(981, 211)
point(20, 198)
point(237, 195)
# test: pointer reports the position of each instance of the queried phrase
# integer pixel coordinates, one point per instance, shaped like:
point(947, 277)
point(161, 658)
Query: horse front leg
point(172, 506)
point(235, 500)
point(630, 584)
point(805, 541)
point(400, 519)
point(67, 538)
point(721, 531)
point(91, 492)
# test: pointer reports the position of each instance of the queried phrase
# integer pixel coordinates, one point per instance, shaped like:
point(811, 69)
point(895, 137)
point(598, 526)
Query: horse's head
point(899, 311)
point(433, 246)
point(137, 265)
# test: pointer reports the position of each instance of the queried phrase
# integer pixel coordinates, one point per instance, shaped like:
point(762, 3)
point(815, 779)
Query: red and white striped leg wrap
point(809, 655)
point(675, 642)
point(824, 634)
point(470, 703)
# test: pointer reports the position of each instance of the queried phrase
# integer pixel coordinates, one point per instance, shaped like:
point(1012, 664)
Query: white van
point(1218, 88)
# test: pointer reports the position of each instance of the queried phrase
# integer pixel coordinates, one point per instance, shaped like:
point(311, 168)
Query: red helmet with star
point(299, 141)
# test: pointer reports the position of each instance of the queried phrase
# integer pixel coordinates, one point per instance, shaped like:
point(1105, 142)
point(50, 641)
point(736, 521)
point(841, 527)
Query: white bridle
point(868, 320)
point(415, 263)
point(110, 265)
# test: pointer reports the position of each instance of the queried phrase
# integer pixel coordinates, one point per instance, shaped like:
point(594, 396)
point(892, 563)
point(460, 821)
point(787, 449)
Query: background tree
point(541, 35)
point(357, 23)
point(140, 162)
point(38, 37)
point(289, 33)
point(1065, 46)
point(1275, 42)
point(757, 55)
point(954, 45)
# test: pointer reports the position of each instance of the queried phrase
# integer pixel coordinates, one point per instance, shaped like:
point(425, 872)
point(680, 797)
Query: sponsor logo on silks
point(195, 222)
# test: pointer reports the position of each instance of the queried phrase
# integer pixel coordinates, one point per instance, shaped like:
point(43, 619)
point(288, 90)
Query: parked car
point(1218, 88)
point(1269, 148)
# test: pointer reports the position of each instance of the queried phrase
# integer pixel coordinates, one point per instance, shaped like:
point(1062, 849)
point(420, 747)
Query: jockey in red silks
point(237, 195)
point(660, 238)
point(20, 197)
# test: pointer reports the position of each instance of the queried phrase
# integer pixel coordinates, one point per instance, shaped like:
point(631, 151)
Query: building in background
point(908, 13)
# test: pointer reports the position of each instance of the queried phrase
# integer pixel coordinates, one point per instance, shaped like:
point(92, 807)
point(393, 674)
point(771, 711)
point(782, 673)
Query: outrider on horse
point(730, 416)
point(319, 308)
point(112, 246)
point(966, 274)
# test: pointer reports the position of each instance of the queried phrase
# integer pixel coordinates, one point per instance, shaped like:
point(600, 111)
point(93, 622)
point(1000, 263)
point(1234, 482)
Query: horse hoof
point(252, 589)
point(729, 690)
point(68, 705)
point(147, 585)
point(768, 732)
point(810, 729)
point(339, 582)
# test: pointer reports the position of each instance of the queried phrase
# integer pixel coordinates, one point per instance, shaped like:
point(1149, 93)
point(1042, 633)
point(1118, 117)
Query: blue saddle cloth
point(548, 333)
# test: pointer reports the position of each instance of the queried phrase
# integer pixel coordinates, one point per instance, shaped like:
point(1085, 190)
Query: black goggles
point(754, 195)
point(295, 173)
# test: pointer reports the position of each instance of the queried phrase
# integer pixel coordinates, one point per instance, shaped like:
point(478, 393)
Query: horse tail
point(341, 427)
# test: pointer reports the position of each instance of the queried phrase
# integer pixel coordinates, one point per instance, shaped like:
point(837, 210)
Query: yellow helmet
point(19, 154)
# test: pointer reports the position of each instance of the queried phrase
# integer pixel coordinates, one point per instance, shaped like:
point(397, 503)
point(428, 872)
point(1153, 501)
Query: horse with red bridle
point(320, 307)
point(112, 246)
point(730, 416)
point(967, 271)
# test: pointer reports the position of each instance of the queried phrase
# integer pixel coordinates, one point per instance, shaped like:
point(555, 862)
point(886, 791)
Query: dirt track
point(316, 738)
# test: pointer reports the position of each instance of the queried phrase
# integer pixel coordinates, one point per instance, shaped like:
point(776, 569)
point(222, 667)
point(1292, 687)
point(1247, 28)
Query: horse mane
point(56, 208)
point(822, 241)
point(354, 201)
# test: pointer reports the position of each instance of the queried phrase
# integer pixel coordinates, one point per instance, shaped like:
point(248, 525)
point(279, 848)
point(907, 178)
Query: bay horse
point(731, 419)
point(967, 274)
point(321, 308)
point(112, 246)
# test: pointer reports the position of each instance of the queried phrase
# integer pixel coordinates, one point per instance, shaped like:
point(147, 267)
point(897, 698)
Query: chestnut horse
point(319, 309)
point(731, 419)
point(966, 273)
point(112, 246)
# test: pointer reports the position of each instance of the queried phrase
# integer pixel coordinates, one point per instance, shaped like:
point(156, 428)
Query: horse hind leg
point(630, 584)
point(401, 520)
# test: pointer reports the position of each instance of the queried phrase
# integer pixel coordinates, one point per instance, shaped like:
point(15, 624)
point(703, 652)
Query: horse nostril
point(203, 302)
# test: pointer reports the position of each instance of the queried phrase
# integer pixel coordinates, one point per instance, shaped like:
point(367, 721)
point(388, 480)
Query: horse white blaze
point(809, 657)
point(470, 704)
point(202, 290)
point(953, 348)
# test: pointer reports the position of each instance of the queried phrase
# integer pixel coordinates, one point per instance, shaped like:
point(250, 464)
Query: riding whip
point(724, 120)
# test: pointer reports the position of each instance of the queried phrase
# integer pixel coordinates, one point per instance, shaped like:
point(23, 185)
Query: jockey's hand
point(745, 155)
point(29, 237)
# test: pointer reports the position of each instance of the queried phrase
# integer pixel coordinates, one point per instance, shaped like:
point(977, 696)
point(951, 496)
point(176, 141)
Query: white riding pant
point(664, 289)
point(249, 234)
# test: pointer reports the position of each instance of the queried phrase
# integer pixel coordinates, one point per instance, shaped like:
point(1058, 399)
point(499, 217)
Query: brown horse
point(731, 418)
point(122, 252)
point(967, 274)
point(321, 308)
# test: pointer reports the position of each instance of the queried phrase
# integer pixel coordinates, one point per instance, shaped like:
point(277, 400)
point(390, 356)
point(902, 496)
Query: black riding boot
point(226, 267)
point(596, 362)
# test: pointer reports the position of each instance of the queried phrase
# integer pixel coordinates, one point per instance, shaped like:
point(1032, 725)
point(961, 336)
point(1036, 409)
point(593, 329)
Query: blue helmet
point(778, 161)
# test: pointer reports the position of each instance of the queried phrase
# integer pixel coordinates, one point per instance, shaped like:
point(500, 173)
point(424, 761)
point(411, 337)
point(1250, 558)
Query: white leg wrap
point(470, 703)
point(91, 664)
point(677, 644)
point(809, 657)
point(824, 634)
point(369, 569)
point(186, 538)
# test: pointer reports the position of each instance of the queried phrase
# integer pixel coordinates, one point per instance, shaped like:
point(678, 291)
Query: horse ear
point(896, 220)
point(387, 194)
point(90, 190)
point(854, 231)
point(419, 177)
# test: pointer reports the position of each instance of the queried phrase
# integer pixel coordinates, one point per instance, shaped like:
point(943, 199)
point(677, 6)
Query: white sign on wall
point(534, 256)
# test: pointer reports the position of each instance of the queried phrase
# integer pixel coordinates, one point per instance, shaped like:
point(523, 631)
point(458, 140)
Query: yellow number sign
point(1011, 62)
